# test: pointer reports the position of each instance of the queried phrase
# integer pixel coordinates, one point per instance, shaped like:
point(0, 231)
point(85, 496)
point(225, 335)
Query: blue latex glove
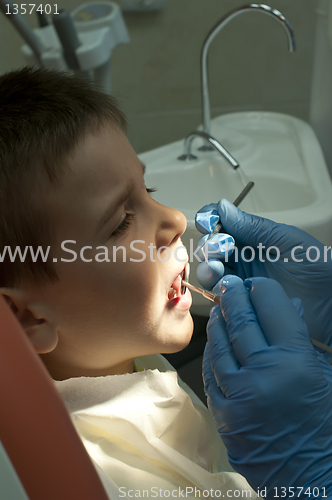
point(269, 391)
point(309, 281)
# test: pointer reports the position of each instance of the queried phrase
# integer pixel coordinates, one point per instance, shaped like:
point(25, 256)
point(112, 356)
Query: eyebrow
point(109, 212)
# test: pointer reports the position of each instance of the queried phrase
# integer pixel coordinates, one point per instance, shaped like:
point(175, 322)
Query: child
point(106, 290)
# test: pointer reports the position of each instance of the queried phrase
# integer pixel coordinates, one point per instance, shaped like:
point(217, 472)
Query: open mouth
point(177, 288)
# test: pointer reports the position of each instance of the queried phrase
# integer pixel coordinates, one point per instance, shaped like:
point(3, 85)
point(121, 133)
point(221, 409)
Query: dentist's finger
point(220, 246)
point(209, 273)
point(245, 333)
point(214, 393)
point(251, 229)
point(206, 218)
point(216, 289)
point(297, 303)
point(277, 315)
point(222, 354)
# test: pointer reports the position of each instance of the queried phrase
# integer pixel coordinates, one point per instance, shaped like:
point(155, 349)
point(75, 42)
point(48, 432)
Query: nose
point(171, 224)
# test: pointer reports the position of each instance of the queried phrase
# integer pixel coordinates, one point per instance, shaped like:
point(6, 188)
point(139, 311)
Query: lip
point(182, 303)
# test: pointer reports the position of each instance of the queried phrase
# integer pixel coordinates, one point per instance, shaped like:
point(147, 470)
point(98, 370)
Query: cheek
point(126, 286)
point(141, 286)
point(121, 295)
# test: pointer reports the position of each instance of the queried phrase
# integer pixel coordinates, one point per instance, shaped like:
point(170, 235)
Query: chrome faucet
point(264, 9)
point(214, 143)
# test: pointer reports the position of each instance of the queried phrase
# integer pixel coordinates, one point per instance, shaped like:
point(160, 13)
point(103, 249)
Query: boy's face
point(108, 313)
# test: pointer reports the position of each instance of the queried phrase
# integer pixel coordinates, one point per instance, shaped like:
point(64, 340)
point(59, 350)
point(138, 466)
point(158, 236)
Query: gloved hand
point(269, 391)
point(309, 281)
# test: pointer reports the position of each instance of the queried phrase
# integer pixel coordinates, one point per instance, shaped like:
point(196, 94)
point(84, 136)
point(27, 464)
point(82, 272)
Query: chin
point(182, 339)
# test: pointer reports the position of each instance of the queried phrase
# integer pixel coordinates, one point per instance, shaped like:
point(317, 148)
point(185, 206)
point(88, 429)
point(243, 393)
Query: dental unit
point(210, 141)
point(35, 44)
point(81, 41)
point(254, 7)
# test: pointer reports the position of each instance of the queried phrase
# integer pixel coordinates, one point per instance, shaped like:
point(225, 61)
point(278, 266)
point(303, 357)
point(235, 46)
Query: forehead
point(106, 155)
point(101, 166)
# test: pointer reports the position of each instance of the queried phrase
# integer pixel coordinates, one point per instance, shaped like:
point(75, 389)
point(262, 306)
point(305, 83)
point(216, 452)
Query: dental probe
point(214, 298)
point(208, 295)
point(236, 203)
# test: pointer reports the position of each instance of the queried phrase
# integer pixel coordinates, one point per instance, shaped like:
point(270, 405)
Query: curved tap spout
point(264, 9)
point(187, 156)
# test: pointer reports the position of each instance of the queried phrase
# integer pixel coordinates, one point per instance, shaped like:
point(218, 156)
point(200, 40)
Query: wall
point(321, 103)
point(157, 76)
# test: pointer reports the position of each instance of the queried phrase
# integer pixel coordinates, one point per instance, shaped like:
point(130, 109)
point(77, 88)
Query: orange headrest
point(35, 428)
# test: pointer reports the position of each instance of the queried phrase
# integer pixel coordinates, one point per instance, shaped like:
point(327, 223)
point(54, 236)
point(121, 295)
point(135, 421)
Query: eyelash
point(126, 223)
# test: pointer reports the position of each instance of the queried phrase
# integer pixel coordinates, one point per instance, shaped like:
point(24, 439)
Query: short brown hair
point(43, 116)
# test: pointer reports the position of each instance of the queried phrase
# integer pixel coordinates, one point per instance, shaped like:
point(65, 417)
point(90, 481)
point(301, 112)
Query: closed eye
point(126, 223)
point(124, 226)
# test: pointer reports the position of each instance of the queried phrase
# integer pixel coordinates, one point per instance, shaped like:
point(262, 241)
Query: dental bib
point(148, 434)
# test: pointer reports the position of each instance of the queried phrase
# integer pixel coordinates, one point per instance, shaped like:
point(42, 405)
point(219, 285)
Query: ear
point(33, 319)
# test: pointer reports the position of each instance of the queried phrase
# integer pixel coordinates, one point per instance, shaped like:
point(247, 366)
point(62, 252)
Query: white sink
point(278, 152)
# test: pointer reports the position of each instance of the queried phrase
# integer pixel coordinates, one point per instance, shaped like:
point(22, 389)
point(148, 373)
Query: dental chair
point(41, 455)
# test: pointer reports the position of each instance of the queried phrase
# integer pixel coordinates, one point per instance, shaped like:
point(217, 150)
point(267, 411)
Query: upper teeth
point(184, 276)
